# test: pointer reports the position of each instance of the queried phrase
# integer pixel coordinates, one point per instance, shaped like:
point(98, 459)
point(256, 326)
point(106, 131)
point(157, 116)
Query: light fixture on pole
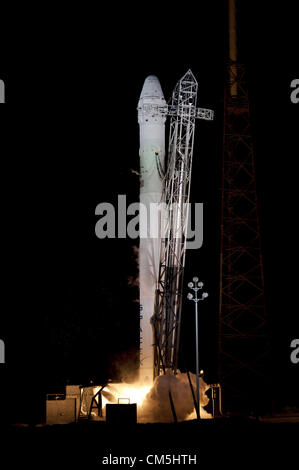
point(196, 285)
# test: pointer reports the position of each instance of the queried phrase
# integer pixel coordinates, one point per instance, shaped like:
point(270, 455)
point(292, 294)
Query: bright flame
point(135, 393)
point(153, 406)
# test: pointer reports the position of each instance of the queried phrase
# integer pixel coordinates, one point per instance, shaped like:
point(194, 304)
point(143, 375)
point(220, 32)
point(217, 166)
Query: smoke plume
point(153, 404)
point(156, 406)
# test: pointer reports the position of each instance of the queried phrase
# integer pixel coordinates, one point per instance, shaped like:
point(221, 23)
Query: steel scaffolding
point(243, 343)
point(166, 320)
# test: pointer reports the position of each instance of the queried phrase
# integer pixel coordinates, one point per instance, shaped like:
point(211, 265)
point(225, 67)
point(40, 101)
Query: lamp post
point(196, 285)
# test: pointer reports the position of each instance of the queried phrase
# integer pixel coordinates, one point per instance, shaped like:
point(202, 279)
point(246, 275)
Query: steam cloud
point(156, 406)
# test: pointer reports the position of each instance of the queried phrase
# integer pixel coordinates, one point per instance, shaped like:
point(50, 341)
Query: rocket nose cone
point(152, 88)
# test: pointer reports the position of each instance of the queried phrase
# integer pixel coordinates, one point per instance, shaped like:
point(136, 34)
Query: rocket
point(151, 119)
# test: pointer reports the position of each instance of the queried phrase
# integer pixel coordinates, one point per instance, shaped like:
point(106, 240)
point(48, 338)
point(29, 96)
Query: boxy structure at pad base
point(121, 414)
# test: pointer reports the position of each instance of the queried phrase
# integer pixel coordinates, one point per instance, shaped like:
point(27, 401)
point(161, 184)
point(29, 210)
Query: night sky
point(70, 138)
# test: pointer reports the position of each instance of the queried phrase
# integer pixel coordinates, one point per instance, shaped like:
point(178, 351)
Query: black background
point(69, 140)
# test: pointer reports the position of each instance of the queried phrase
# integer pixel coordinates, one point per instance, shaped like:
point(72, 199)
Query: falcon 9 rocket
point(151, 119)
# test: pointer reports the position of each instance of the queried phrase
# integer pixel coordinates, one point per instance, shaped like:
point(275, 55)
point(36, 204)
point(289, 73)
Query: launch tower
point(167, 318)
point(242, 314)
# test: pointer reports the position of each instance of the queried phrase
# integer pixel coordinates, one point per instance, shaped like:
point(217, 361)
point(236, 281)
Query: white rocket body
point(152, 160)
